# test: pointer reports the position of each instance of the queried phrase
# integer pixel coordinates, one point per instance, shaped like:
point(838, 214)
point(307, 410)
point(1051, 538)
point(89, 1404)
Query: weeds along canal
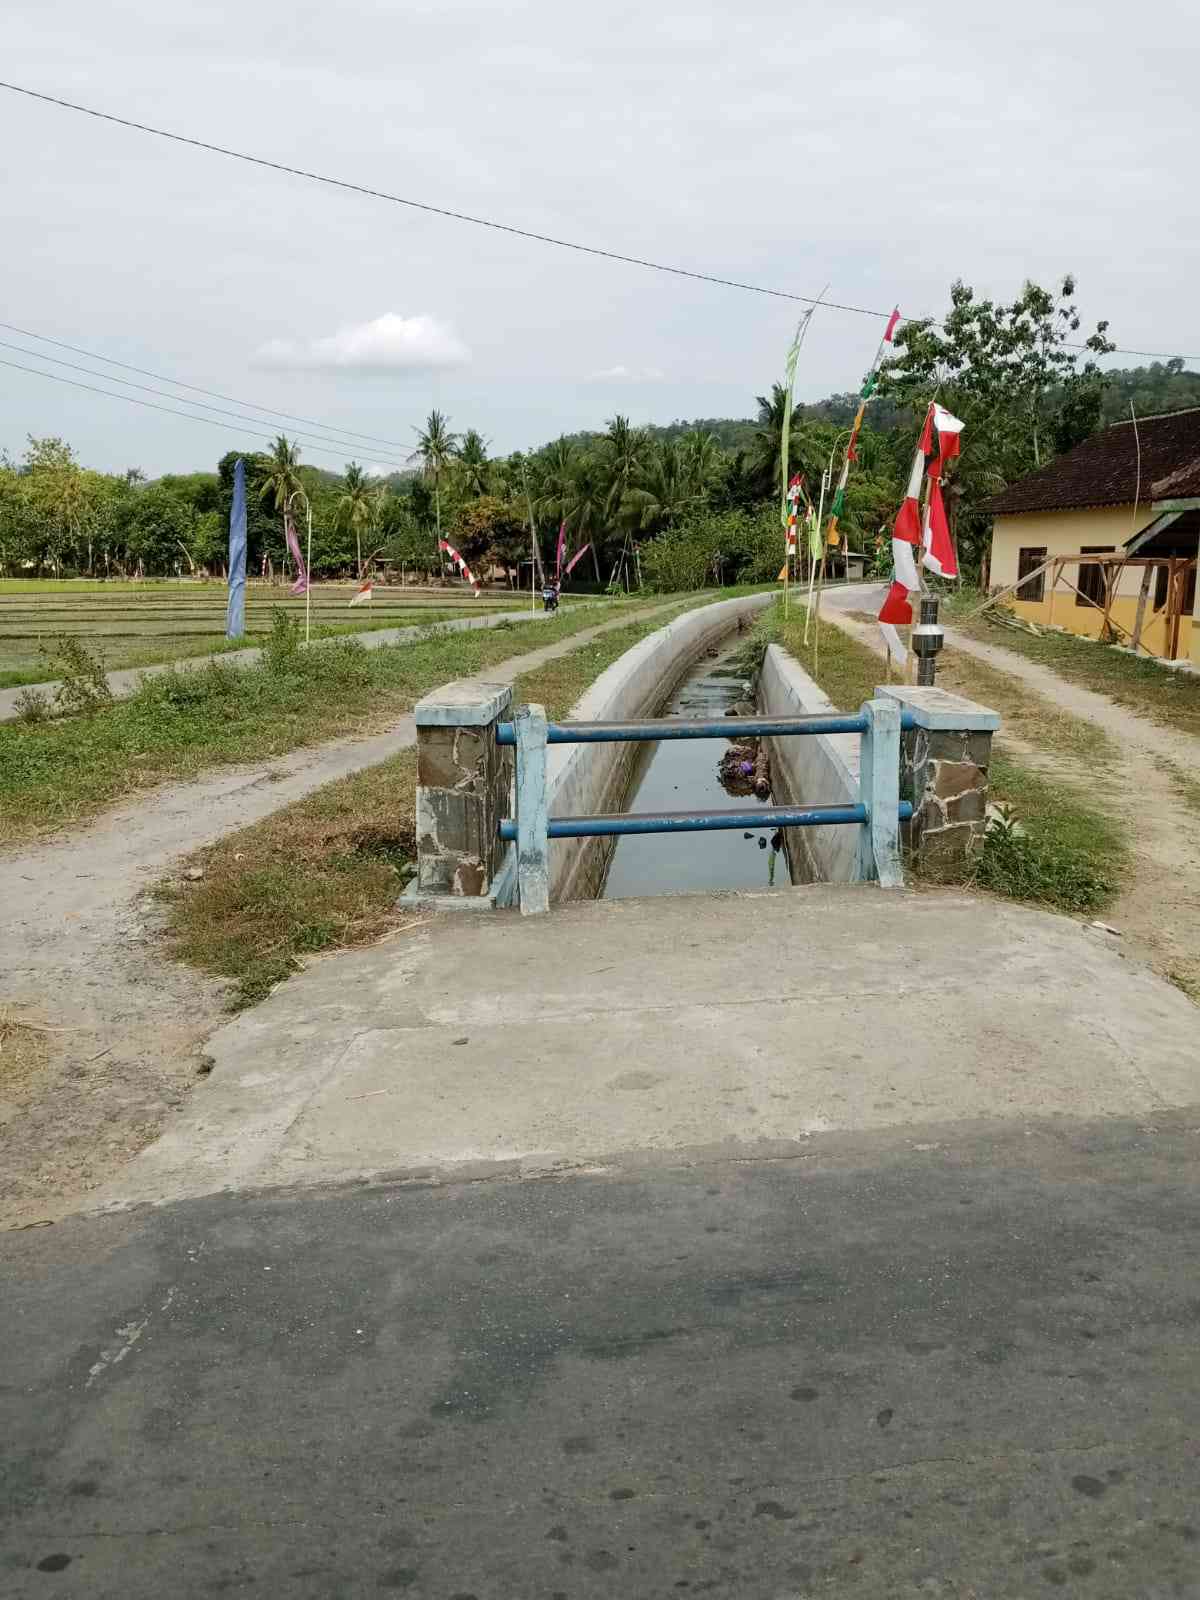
point(686, 775)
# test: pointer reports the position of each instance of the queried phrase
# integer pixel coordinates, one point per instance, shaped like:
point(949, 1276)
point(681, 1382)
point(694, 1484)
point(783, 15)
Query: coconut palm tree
point(356, 508)
point(281, 478)
point(624, 453)
point(768, 439)
point(665, 491)
point(473, 463)
point(435, 451)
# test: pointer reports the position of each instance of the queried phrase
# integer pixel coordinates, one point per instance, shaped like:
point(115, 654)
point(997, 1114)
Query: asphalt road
point(961, 1363)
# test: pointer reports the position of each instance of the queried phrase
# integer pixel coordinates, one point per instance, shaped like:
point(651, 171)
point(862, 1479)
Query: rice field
point(137, 624)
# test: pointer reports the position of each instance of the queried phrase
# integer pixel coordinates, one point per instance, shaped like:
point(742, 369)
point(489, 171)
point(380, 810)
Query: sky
point(881, 150)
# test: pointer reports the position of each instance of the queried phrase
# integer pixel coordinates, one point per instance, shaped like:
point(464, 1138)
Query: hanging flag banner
point(794, 492)
point(448, 549)
point(235, 612)
point(366, 591)
point(785, 425)
point(289, 533)
point(939, 443)
point(832, 537)
point(560, 552)
point(578, 556)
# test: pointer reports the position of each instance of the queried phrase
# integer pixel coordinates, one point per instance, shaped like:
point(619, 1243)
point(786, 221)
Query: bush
point(282, 645)
point(32, 706)
point(84, 686)
point(1046, 871)
point(727, 547)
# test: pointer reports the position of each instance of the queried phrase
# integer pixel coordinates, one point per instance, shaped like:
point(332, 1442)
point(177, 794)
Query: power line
point(165, 395)
point(132, 399)
point(498, 227)
point(178, 383)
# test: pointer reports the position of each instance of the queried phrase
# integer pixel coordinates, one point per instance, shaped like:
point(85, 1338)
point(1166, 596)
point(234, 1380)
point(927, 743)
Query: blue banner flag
point(235, 615)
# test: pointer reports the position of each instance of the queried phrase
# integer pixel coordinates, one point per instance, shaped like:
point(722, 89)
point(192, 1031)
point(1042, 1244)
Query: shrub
point(84, 684)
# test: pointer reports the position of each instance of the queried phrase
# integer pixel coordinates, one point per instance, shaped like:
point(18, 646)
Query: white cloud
point(624, 374)
point(389, 344)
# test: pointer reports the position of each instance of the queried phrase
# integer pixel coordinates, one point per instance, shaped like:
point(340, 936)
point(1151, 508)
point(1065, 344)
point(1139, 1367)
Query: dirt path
point(79, 954)
point(1158, 912)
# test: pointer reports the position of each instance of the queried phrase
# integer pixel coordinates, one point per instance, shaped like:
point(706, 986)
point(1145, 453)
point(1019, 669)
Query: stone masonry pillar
point(944, 764)
point(464, 785)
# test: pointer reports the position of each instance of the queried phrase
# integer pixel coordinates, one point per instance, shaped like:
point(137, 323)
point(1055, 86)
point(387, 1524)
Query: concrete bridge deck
point(487, 1044)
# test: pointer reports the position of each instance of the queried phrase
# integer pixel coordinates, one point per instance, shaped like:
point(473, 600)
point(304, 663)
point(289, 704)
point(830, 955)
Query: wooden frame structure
point(1179, 569)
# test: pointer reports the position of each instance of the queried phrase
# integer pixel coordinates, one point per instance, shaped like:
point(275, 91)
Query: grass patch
point(1064, 853)
point(179, 722)
point(1166, 697)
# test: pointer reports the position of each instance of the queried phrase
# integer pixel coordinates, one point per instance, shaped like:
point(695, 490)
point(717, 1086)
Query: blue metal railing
point(878, 813)
point(653, 728)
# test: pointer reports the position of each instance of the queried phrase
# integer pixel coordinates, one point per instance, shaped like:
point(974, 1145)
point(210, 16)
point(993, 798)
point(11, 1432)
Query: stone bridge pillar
point(944, 764)
point(464, 787)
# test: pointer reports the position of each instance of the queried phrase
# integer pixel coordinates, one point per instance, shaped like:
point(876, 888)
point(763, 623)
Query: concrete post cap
point(465, 703)
point(940, 711)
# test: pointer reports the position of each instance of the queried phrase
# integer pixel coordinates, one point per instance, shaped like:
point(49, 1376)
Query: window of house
point(1029, 559)
point(1091, 575)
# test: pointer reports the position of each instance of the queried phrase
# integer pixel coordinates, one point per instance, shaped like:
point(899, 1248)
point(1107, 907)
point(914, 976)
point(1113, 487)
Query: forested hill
point(1161, 386)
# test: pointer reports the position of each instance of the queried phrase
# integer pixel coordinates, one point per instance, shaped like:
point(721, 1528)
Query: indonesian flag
point(448, 549)
point(906, 534)
point(576, 558)
point(935, 535)
point(365, 590)
point(889, 333)
point(560, 552)
point(895, 612)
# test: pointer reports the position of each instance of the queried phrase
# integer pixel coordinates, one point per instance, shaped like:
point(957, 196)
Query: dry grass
point(24, 1050)
point(318, 875)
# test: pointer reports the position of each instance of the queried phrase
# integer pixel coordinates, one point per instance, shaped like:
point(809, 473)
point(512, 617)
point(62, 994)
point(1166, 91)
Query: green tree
point(1012, 374)
point(281, 481)
point(435, 450)
point(473, 464)
point(356, 508)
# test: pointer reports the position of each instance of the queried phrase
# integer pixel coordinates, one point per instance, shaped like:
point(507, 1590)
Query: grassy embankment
point(324, 873)
point(179, 722)
point(1066, 853)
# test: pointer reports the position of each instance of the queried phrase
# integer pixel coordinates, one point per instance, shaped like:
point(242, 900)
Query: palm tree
point(624, 453)
point(473, 462)
point(665, 491)
point(557, 473)
point(356, 507)
point(435, 451)
point(700, 455)
point(768, 439)
point(282, 478)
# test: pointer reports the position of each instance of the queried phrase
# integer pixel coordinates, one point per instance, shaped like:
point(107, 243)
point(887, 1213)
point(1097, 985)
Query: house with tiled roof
point(1127, 501)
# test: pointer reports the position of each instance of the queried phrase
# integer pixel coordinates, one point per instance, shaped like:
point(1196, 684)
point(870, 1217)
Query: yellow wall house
point(1127, 491)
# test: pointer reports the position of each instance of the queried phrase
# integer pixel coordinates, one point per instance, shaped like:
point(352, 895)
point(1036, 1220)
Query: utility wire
point(165, 395)
point(487, 222)
point(150, 405)
point(178, 383)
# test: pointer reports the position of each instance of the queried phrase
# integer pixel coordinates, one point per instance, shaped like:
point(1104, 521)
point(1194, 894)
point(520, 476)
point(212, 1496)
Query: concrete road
point(960, 1361)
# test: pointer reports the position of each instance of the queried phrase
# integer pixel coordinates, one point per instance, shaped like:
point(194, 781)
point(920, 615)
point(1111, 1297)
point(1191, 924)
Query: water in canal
point(681, 775)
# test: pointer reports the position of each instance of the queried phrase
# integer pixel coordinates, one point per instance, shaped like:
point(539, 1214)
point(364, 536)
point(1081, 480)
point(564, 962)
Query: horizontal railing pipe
point(702, 821)
point(654, 728)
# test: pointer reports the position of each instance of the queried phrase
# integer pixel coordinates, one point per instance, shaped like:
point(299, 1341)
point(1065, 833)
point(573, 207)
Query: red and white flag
point(895, 612)
point(935, 535)
point(365, 590)
point(445, 546)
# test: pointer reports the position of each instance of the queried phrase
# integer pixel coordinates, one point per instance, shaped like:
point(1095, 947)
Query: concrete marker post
point(879, 791)
point(533, 844)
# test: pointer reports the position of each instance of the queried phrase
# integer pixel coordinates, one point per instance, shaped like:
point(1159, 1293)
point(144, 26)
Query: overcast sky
point(881, 149)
